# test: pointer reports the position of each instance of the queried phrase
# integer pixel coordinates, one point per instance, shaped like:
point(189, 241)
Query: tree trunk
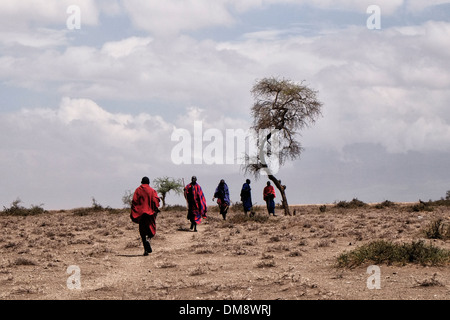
point(283, 194)
point(163, 199)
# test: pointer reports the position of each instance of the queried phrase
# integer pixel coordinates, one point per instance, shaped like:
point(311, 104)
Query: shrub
point(17, 210)
point(355, 203)
point(96, 207)
point(266, 264)
point(175, 207)
point(127, 198)
point(437, 230)
point(422, 206)
point(242, 218)
point(237, 207)
point(382, 251)
point(385, 204)
point(24, 262)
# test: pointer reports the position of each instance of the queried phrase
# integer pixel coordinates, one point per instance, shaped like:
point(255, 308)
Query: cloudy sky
point(86, 112)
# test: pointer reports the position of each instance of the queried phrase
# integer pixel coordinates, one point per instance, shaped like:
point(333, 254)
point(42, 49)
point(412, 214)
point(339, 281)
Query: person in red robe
point(196, 203)
point(269, 196)
point(144, 209)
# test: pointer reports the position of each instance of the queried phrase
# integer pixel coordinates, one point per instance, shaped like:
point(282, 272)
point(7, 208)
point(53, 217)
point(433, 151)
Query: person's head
point(268, 183)
point(145, 180)
point(222, 182)
point(194, 179)
point(248, 181)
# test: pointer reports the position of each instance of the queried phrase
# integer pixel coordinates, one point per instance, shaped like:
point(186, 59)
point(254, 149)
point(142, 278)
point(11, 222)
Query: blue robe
point(222, 193)
point(246, 197)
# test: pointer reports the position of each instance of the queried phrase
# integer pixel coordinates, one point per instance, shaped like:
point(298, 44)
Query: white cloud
point(387, 88)
point(42, 23)
point(392, 76)
point(78, 141)
point(38, 38)
point(185, 71)
point(24, 13)
point(80, 146)
point(170, 17)
point(126, 47)
point(419, 5)
point(387, 6)
point(371, 82)
point(173, 17)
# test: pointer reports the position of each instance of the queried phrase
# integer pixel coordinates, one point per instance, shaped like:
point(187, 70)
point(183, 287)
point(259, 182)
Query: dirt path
point(127, 273)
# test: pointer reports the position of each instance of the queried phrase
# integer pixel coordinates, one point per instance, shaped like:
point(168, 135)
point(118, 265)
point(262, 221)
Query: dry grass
point(258, 257)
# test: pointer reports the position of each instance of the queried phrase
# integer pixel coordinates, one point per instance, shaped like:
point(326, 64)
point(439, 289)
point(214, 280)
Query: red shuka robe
point(144, 207)
point(196, 202)
point(268, 190)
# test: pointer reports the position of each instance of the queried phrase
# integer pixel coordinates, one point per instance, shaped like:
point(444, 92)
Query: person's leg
point(147, 247)
point(191, 218)
point(144, 231)
point(272, 207)
point(193, 223)
point(223, 211)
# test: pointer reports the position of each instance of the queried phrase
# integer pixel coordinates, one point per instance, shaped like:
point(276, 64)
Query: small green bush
point(355, 203)
point(382, 251)
point(437, 230)
point(242, 218)
point(17, 210)
point(422, 206)
point(175, 207)
point(96, 207)
point(385, 204)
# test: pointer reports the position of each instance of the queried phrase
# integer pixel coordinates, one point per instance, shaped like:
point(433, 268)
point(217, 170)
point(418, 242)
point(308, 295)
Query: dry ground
point(282, 258)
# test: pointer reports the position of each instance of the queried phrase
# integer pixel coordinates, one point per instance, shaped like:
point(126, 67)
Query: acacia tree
point(281, 107)
point(164, 185)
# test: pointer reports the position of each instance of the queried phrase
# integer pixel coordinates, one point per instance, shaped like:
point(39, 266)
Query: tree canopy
point(165, 184)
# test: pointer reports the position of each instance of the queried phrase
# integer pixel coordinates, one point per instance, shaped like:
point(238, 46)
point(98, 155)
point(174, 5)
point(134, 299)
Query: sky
point(92, 94)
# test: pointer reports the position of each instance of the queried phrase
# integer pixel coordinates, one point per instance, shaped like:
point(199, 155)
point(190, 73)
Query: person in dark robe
point(246, 197)
point(196, 202)
point(269, 196)
point(223, 198)
point(144, 209)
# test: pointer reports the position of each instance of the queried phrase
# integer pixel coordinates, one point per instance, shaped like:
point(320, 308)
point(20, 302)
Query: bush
point(385, 204)
point(96, 207)
point(17, 210)
point(175, 207)
point(382, 251)
point(127, 198)
point(242, 218)
point(422, 206)
point(237, 207)
point(355, 203)
point(437, 230)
